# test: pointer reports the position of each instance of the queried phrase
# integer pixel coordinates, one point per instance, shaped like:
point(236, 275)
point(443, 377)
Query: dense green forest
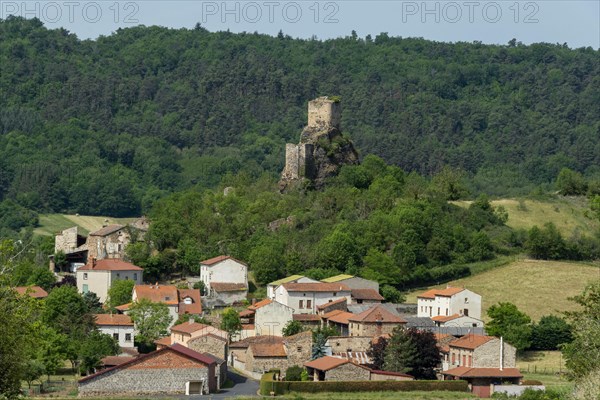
point(109, 126)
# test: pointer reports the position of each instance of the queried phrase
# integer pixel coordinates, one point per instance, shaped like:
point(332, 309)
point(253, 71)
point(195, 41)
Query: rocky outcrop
point(322, 150)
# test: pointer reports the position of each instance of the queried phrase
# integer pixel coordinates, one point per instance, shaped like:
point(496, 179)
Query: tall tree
point(120, 293)
point(151, 320)
point(230, 322)
point(511, 323)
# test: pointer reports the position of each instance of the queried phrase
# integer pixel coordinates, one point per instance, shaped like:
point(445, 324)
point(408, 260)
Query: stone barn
point(174, 370)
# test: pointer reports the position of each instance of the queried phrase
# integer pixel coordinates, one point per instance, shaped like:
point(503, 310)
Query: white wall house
point(223, 269)
point(98, 275)
point(271, 318)
point(449, 301)
point(304, 298)
point(456, 320)
point(290, 279)
point(118, 326)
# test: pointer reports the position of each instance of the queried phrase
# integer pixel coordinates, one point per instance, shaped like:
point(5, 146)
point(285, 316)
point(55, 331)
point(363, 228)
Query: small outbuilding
point(336, 369)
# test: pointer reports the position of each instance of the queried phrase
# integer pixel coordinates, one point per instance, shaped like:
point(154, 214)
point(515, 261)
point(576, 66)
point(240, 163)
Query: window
point(85, 289)
point(135, 276)
point(167, 298)
point(470, 361)
point(466, 312)
point(334, 294)
point(453, 358)
point(464, 360)
point(308, 303)
point(118, 275)
point(438, 311)
point(466, 300)
point(116, 336)
point(299, 348)
point(446, 312)
point(85, 275)
point(128, 337)
point(301, 304)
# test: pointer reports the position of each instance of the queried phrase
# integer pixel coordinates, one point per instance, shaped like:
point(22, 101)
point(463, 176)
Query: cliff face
point(322, 150)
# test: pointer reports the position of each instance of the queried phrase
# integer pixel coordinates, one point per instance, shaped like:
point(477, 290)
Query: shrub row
point(268, 385)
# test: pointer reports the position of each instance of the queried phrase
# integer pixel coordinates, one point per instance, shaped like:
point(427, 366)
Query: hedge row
point(268, 385)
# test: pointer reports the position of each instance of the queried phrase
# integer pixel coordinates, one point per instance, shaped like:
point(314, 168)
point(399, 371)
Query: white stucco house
point(456, 320)
point(98, 275)
point(449, 301)
point(353, 282)
point(118, 326)
point(225, 278)
point(303, 298)
point(290, 279)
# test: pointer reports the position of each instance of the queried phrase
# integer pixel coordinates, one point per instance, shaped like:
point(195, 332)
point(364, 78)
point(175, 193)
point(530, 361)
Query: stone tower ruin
point(322, 149)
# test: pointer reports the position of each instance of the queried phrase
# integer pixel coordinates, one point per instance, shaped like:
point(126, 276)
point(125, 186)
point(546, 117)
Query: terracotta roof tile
point(467, 372)
point(377, 313)
point(228, 287)
point(268, 350)
point(167, 294)
point(444, 318)
point(471, 341)
point(123, 307)
point(326, 363)
point(315, 287)
point(113, 319)
point(110, 361)
point(306, 317)
point(190, 328)
point(260, 304)
point(448, 292)
point(218, 259)
point(367, 294)
point(110, 264)
point(324, 306)
point(342, 318)
point(194, 295)
point(246, 313)
point(107, 230)
point(33, 291)
point(165, 341)
point(245, 343)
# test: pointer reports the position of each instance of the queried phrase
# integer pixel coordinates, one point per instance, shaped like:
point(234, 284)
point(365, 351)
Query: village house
point(308, 321)
point(290, 279)
point(173, 370)
point(329, 368)
point(108, 242)
point(97, 276)
point(225, 279)
point(457, 320)
point(189, 330)
point(483, 380)
point(269, 317)
point(179, 301)
point(366, 296)
point(340, 304)
point(375, 321)
point(119, 326)
point(478, 351)
point(73, 245)
point(353, 348)
point(32, 291)
point(353, 282)
point(449, 301)
point(339, 320)
point(304, 298)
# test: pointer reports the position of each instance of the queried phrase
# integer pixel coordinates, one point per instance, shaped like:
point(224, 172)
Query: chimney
point(93, 262)
point(191, 320)
point(501, 353)
point(105, 223)
point(253, 301)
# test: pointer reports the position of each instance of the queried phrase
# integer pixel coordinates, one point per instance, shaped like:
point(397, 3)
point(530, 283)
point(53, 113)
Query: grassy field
point(569, 214)
point(536, 287)
point(541, 362)
point(50, 224)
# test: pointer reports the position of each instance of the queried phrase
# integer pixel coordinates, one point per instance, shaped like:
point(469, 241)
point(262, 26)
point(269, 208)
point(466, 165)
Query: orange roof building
point(310, 297)
point(225, 278)
point(330, 368)
point(97, 276)
point(32, 291)
point(375, 321)
point(448, 302)
point(180, 301)
point(119, 326)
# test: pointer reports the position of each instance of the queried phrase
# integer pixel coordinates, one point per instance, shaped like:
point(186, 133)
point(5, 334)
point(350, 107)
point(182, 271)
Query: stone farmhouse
point(304, 298)
point(225, 278)
point(458, 321)
point(375, 321)
point(32, 291)
point(267, 316)
point(173, 370)
point(330, 368)
point(97, 276)
point(119, 326)
point(290, 279)
point(449, 301)
point(108, 242)
point(478, 351)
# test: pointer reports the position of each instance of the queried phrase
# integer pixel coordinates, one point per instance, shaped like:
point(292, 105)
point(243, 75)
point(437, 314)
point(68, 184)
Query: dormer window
point(167, 298)
point(187, 300)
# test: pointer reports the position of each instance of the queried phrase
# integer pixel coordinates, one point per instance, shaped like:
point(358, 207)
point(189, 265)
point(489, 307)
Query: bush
point(293, 373)
point(268, 385)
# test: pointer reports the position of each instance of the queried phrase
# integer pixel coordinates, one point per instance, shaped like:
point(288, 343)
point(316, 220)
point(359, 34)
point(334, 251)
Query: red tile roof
point(189, 328)
point(326, 363)
point(245, 343)
point(167, 294)
point(33, 291)
point(260, 304)
point(113, 319)
point(123, 307)
point(342, 318)
point(246, 313)
point(448, 292)
point(177, 348)
point(306, 317)
point(315, 287)
point(467, 372)
point(228, 287)
point(444, 318)
point(268, 350)
point(367, 294)
point(331, 314)
point(331, 303)
point(109, 264)
point(218, 259)
point(165, 341)
point(107, 230)
point(110, 361)
point(248, 327)
point(471, 342)
point(195, 307)
point(376, 314)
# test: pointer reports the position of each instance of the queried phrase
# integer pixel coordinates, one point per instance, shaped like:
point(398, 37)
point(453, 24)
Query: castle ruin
point(322, 149)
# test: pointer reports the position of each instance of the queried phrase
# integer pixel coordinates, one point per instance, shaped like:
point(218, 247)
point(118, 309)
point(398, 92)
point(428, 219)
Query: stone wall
point(298, 348)
point(324, 112)
point(342, 344)
point(66, 241)
point(209, 344)
point(371, 329)
point(488, 355)
point(262, 364)
point(109, 246)
point(348, 372)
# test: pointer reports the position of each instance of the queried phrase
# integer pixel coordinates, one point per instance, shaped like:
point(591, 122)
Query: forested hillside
point(109, 126)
